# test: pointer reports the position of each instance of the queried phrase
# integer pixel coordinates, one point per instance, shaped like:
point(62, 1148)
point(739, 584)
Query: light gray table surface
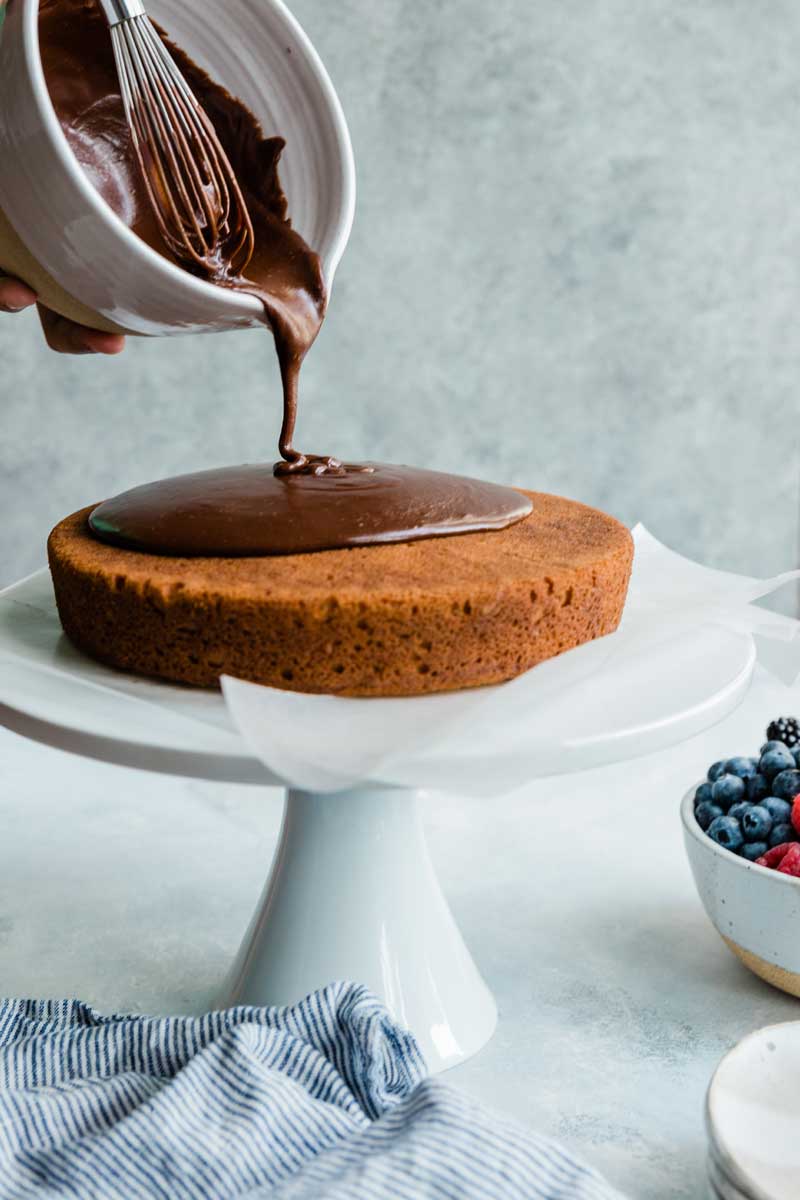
point(617, 999)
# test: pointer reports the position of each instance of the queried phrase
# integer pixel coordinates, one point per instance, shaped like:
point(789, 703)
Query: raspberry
point(791, 862)
point(796, 813)
point(774, 857)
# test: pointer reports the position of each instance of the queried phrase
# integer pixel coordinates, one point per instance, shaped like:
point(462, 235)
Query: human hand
point(60, 334)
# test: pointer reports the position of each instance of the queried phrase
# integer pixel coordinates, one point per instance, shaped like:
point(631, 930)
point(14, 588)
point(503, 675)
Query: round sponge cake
point(391, 620)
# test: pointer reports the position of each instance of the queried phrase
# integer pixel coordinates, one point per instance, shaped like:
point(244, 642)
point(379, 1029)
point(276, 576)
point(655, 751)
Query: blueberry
point(786, 785)
point(727, 790)
point(796, 753)
point(773, 746)
point(756, 824)
point(774, 761)
point(703, 794)
point(781, 834)
point(738, 809)
point(741, 767)
point(715, 770)
point(753, 850)
point(707, 812)
point(779, 810)
point(757, 788)
point(726, 832)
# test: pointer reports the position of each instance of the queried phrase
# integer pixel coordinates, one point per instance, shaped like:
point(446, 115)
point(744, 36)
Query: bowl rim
point(176, 276)
point(693, 830)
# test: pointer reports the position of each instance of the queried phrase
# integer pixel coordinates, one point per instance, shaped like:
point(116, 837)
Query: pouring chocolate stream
point(283, 273)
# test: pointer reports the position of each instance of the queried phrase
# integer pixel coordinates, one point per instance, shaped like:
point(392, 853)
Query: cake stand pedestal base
point(353, 895)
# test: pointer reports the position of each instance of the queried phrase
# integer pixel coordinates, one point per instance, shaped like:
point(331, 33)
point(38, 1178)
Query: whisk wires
point(192, 187)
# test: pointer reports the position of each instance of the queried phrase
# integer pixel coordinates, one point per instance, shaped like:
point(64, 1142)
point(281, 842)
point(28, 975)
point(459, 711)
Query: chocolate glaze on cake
point(247, 510)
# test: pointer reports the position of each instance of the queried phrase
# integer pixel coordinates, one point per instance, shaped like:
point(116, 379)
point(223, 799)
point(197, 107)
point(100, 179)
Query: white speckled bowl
point(754, 910)
point(56, 230)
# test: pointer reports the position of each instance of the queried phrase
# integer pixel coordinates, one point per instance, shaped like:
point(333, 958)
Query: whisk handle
point(117, 11)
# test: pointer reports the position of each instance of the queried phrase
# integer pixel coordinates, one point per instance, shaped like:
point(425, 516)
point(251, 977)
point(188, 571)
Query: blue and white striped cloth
point(326, 1099)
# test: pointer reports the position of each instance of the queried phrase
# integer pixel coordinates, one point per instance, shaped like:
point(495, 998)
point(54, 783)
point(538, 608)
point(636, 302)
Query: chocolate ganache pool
point(249, 510)
point(304, 502)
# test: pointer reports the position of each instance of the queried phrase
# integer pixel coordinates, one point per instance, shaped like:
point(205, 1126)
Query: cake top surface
point(559, 537)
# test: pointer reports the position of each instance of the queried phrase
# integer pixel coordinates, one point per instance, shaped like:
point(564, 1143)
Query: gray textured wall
point(576, 259)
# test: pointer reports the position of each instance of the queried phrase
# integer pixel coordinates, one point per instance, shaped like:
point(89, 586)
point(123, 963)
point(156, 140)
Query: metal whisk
point(193, 190)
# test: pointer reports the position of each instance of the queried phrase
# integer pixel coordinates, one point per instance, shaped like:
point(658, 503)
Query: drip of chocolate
point(249, 510)
point(305, 502)
point(284, 274)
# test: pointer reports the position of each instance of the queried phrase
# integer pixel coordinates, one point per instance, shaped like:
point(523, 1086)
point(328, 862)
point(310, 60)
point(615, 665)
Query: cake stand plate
point(352, 893)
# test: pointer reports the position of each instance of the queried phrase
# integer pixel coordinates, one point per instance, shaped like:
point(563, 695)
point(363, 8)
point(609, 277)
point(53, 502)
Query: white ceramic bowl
point(753, 1115)
point(756, 911)
point(259, 52)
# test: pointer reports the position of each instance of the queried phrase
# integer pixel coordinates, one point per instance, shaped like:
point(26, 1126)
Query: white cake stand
point(352, 893)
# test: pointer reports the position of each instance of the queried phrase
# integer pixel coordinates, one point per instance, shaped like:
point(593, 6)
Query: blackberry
point(786, 730)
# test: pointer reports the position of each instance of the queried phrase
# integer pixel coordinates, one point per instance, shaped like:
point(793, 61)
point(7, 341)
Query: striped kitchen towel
point(326, 1099)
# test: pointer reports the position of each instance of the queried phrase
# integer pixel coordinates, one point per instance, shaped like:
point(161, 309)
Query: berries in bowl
point(742, 833)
